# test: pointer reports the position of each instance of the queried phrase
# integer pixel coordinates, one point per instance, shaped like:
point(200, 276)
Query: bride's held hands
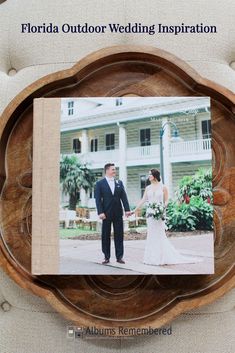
point(128, 213)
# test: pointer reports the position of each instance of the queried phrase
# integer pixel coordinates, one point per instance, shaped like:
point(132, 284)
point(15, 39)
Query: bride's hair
point(156, 174)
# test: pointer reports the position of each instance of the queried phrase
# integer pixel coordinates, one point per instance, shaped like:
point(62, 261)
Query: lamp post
point(175, 137)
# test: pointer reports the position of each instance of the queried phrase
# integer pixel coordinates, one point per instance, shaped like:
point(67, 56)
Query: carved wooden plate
point(113, 301)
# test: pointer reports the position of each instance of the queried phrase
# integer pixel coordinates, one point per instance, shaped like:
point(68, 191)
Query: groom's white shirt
point(111, 183)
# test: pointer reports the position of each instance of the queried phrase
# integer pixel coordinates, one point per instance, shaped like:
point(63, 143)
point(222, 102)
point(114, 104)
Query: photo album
point(117, 176)
point(128, 186)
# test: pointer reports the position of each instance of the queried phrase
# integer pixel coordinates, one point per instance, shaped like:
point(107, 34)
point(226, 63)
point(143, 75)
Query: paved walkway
point(85, 257)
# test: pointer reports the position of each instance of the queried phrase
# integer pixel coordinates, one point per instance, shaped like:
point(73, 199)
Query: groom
point(109, 193)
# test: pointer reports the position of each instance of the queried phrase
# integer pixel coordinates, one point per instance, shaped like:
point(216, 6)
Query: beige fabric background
point(27, 323)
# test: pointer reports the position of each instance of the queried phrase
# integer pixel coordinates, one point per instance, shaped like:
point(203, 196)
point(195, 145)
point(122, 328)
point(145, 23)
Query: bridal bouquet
point(155, 210)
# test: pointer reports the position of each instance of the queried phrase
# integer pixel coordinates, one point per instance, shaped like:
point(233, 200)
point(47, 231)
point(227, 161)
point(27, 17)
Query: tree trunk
point(72, 202)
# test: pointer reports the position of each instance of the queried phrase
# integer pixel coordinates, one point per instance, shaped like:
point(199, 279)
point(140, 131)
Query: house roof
point(132, 109)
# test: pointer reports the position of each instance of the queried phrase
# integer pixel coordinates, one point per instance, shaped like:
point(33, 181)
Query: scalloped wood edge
point(71, 76)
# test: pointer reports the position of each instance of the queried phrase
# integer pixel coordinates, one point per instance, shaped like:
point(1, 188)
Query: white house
point(127, 131)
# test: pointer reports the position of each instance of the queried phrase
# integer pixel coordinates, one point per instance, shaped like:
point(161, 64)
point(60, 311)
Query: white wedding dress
point(158, 249)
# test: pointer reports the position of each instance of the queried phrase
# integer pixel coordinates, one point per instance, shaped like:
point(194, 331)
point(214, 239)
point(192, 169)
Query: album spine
point(45, 186)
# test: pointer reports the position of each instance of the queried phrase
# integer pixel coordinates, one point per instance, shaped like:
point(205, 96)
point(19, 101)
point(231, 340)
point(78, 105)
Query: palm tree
point(73, 177)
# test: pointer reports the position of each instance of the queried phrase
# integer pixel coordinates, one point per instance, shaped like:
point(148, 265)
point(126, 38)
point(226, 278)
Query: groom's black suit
point(110, 204)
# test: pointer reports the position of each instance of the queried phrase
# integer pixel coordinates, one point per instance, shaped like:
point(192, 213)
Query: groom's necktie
point(111, 184)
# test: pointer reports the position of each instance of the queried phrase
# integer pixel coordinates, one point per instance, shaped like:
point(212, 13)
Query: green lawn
point(65, 233)
point(138, 229)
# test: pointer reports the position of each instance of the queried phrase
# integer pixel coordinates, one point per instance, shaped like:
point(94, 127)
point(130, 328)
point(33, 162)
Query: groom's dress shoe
point(121, 261)
point(106, 261)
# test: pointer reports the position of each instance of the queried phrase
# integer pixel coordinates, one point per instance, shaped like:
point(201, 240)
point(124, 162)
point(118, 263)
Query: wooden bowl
point(113, 301)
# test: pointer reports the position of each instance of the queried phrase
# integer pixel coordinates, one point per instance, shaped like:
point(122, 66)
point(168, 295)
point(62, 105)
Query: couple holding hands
point(111, 198)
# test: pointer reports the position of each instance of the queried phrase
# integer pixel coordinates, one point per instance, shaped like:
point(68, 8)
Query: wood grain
point(111, 301)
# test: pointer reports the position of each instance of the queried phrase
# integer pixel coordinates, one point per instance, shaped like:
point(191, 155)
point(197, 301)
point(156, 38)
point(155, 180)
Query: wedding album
point(122, 186)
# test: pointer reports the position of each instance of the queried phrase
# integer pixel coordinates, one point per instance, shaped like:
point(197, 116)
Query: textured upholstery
point(27, 323)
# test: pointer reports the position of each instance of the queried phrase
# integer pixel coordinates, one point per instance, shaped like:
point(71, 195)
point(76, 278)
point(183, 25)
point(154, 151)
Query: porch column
point(122, 154)
point(167, 168)
point(85, 142)
point(84, 150)
point(83, 197)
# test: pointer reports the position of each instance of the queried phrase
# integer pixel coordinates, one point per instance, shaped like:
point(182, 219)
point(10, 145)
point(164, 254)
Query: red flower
point(186, 198)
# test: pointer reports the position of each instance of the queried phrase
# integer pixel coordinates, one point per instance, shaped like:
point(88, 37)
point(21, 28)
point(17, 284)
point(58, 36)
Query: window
point(206, 133)
point(70, 107)
point(206, 129)
point(76, 146)
point(145, 137)
point(110, 142)
point(119, 101)
point(94, 145)
point(143, 184)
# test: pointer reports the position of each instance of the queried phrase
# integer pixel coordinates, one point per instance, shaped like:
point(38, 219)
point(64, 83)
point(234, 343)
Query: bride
point(158, 249)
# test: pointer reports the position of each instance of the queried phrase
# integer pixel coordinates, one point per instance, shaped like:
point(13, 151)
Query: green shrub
point(183, 217)
point(179, 217)
point(199, 184)
point(203, 211)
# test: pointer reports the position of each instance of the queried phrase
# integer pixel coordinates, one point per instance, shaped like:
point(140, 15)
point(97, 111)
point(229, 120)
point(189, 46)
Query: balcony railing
point(143, 152)
point(102, 156)
point(183, 148)
point(179, 151)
